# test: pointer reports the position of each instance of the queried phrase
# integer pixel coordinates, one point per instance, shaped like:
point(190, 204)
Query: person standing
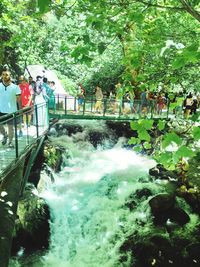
point(10, 95)
point(52, 102)
point(81, 96)
point(31, 81)
point(26, 98)
point(119, 98)
point(40, 96)
point(188, 102)
point(99, 97)
point(144, 102)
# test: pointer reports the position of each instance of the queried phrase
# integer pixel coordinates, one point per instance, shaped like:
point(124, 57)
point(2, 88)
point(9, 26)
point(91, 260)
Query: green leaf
point(161, 125)
point(101, 48)
point(178, 63)
point(134, 125)
point(196, 133)
point(87, 60)
point(195, 117)
point(140, 78)
point(147, 124)
point(193, 47)
point(184, 152)
point(133, 141)
point(136, 62)
point(143, 135)
point(43, 5)
point(147, 145)
point(165, 158)
point(137, 17)
point(173, 79)
point(137, 148)
point(169, 138)
point(86, 38)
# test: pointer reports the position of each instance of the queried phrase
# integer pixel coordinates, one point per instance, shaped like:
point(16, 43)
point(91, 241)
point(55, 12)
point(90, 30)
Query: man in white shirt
point(9, 96)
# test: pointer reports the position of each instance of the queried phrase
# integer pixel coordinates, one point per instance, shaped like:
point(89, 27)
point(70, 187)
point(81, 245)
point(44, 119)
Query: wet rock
point(193, 254)
point(161, 203)
point(32, 225)
point(131, 204)
point(160, 172)
point(154, 172)
point(144, 192)
point(161, 167)
point(53, 132)
point(178, 216)
point(121, 129)
point(68, 128)
point(97, 137)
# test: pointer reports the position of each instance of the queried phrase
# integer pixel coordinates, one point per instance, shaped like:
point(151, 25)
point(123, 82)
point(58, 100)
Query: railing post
point(27, 125)
point(120, 103)
point(65, 105)
point(152, 107)
point(58, 103)
point(75, 103)
point(104, 106)
point(91, 98)
point(36, 120)
point(84, 106)
point(168, 104)
point(16, 137)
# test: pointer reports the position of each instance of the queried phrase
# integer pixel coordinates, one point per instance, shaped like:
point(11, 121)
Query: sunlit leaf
point(143, 135)
point(133, 141)
point(169, 138)
point(147, 124)
point(184, 151)
point(196, 133)
point(178, 63)
point(147, 145)
point(43, 5)
point(161, 125)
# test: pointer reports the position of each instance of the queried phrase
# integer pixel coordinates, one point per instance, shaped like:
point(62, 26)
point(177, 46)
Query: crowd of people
point(21, 94)
point(126, 101)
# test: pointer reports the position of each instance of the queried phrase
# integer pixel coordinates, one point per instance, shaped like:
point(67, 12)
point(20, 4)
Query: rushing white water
point(88, 219)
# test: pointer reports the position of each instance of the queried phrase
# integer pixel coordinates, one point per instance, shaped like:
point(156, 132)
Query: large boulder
point(161, 203)
point(32, 225)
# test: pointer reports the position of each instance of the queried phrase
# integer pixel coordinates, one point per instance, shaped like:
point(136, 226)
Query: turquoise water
point(89, 216)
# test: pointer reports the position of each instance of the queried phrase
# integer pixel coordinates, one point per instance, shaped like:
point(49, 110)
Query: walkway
point(21, 143)
point(67, 107)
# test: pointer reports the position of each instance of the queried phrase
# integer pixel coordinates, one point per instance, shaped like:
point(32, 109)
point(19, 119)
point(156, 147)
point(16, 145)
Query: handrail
point(24, 135)
point(18, 112)
point(67, 105)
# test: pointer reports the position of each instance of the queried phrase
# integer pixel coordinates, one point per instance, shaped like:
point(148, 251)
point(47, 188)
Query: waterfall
point(88, 219)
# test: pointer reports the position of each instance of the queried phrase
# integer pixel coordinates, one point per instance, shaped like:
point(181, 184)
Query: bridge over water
point(66, 107)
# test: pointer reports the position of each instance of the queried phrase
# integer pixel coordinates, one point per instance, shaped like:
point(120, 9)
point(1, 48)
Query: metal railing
point(68, 105)
point(23, 128)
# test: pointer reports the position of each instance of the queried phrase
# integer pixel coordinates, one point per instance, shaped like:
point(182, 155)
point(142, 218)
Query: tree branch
point(159, 6)
point(190, 9)
point(186, 7)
